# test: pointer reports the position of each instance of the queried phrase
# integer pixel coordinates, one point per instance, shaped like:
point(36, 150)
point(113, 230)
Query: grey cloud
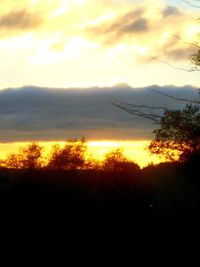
point(131, 22)
point(19, 20)
point(33, 113)
point(135, 28)
point(139, 25)
point(135, 14)
point(180, 53)
point(176, 50)
point(171, 11)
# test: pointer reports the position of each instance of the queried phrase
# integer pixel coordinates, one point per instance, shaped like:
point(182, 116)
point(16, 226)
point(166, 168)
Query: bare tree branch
point(191, 101)
point(153, 113)
point(140, 111)
point(175, 67)
point(182, 40)
point(141, 106)
point(190, 4)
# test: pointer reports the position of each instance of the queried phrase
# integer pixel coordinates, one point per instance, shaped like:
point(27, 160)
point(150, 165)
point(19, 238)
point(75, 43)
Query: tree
point(29, 157)
point(178, 137)
point(13, 161)
point(71, 156)
point(178, 134)
point(115, 161)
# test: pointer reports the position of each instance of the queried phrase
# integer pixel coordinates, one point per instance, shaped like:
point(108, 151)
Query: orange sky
point(134, 150)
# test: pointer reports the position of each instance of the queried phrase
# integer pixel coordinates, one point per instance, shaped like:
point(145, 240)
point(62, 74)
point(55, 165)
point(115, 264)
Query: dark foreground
point(166, 191)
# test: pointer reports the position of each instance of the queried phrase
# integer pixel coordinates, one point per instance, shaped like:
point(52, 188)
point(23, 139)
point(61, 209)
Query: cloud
point(139, 25)
point(171, 11)
point(96, 42)
point(104, 23)
point(33, 113)
point(176, 48)
point(129, 23)
point(180, 53)
point(19, 20)
point(153, 27)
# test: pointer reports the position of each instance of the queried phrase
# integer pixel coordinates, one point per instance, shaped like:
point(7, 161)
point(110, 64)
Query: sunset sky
point(83, 43)
point(62, 43)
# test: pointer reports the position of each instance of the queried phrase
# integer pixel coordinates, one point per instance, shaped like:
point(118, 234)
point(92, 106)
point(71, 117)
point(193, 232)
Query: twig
point(140, 106)
point(140, 113)
point(175, 67)
point(176, 98)
point(188, 43)
point(190, 4)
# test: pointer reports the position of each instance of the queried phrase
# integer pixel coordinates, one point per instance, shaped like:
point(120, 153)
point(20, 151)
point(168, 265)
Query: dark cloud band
point(33, 113)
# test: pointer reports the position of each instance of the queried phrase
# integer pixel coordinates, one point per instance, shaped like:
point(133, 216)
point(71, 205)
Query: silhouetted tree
point(178, 136)
point(115, 161)
point(71, 156)
point(32, 156)
point(13, 161)
point(29, 157)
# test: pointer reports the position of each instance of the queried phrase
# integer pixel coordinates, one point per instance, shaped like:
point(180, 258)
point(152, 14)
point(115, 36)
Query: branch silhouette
point(144, 111)
point(191, 101)
point(190, 4)
point(176, 67)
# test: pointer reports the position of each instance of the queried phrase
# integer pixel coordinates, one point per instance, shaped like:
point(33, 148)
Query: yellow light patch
point(133, 150)
point(192, 31)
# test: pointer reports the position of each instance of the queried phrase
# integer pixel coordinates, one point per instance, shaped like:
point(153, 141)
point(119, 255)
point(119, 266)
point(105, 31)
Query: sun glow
point(133, 150)
point(192, 31)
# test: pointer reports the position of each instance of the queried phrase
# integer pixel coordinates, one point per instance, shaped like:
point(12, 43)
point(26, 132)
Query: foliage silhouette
point(72, 156)
point(29, 157)
point(178, 134)
point(178, 137)
point(115, 161)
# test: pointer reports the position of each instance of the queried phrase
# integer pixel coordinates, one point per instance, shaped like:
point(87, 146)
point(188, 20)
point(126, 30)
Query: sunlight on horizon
point(133, 150)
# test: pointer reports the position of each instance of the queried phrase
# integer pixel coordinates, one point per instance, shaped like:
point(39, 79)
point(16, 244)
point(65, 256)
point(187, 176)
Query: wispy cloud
point(154, 27)
point(19, 20)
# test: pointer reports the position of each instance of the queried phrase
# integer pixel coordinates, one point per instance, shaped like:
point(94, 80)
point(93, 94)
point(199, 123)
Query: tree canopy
point(115, 161)
point(178, 136)
point(71, 156)
point(29, 157)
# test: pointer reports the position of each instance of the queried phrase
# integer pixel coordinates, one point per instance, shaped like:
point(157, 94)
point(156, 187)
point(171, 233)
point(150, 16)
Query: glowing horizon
point(133, 150)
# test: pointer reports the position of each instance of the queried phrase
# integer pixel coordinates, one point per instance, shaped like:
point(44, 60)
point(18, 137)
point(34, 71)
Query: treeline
point(167, 190)
point(73, 155)
point(67, 181)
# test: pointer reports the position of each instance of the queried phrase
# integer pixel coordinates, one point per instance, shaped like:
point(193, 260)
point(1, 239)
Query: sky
point(81, 43)
point(120, 48)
